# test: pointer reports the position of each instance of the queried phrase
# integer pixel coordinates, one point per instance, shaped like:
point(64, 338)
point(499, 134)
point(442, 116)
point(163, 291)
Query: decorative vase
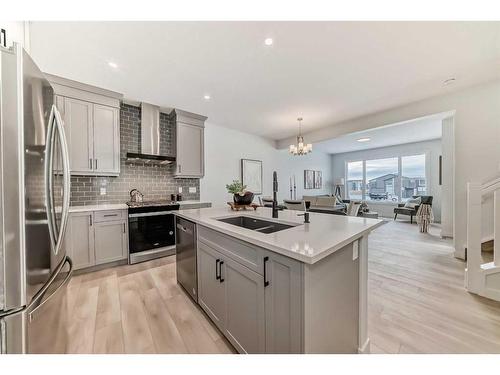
point(245, 199)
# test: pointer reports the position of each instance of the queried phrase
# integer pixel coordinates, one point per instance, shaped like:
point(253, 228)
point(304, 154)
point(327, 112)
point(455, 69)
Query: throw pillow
point(412, 203)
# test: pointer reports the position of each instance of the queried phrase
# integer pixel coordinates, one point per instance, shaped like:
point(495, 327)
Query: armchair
point(402, 210)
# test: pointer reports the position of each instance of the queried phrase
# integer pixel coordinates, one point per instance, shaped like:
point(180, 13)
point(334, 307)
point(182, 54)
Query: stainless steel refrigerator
point(34, 205)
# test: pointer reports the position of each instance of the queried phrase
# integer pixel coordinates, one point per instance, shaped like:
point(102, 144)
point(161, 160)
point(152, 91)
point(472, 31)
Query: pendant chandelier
point(300, 148)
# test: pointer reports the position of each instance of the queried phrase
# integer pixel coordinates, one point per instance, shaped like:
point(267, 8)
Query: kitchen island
point(299, 289)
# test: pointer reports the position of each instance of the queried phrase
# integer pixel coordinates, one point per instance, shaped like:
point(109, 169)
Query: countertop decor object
point(237, 207)
point(240, 194)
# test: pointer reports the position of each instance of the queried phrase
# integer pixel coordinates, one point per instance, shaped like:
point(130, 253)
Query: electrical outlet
point(180, 189)
point(103, 191)
point(192, 189)
point(355, 250)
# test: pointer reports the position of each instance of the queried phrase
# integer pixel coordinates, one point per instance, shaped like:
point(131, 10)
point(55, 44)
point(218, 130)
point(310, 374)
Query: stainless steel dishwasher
point(186, 256)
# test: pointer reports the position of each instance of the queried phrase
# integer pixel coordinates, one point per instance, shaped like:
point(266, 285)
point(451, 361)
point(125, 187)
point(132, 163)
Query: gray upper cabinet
point(190, 148)
point(106, 139)
point(92, 125)
point(78, 128)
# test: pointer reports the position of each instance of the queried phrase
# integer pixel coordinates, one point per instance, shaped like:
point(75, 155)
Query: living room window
point(355, 180)
point(381, 177)
point(394, 179)
point(413, 181)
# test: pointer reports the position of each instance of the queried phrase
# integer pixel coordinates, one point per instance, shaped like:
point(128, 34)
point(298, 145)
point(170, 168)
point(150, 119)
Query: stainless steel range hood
point(150, 138)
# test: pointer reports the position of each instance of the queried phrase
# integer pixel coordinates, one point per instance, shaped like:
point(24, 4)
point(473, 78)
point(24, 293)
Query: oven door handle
point(144, 214)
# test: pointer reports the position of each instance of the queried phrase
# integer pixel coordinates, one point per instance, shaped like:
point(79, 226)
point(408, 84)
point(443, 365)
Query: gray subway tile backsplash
point(154, 181)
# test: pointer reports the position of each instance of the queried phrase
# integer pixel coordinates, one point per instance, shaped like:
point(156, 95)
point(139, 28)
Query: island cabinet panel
point(245, 313)
point(331, 303)
point(283, 304)
point(242, 252)
point(211, 294)
point(258, 312)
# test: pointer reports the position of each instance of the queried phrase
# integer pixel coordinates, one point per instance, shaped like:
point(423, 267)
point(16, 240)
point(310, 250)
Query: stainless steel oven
point(151, 230)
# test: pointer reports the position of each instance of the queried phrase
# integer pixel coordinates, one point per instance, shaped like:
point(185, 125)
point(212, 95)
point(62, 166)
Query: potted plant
point(240, 194)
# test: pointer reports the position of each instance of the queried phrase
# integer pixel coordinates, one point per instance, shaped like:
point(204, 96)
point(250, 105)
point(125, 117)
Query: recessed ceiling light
point(449, 81)
point(268, 41)
point(363, 139)
point(206, 97)
point(112, 64)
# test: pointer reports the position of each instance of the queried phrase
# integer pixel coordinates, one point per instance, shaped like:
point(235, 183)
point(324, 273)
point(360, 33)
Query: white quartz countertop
point(189, 202)
point(308, 243)
point(99, 207)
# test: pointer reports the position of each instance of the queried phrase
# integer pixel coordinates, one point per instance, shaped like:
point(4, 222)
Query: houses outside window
point(394, 179)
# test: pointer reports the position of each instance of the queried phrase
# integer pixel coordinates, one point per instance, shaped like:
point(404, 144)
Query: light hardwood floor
point(417, 300)
point(417, 304)
point(138, 309)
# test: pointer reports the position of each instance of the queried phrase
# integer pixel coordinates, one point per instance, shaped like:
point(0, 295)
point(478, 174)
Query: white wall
point(17, 31)
point(477, 138)
point(431, 148)
point(224, 148)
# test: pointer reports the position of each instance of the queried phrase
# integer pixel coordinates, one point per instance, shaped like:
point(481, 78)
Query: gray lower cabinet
point(245, 314)
point(90, 242)
point(258, 312)
point(79, 239)
point(110, 241)
point(211, 295)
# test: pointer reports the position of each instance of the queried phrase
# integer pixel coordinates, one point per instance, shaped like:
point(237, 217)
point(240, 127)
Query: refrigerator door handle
point(49, 198)
point(56, 238)
point(66, 178)
point(42, 291)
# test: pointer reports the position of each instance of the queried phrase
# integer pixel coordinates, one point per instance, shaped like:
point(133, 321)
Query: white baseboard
point(365, 348)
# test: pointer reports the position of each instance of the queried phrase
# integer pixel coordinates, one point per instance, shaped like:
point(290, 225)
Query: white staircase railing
point(482, 278)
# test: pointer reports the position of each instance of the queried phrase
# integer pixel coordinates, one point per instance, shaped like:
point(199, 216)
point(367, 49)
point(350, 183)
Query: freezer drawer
point(42, 328)
point(186, 256)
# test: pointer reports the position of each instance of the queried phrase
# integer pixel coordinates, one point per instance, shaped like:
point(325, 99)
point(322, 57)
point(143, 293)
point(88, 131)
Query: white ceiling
point(325, 72)
point(408, 132)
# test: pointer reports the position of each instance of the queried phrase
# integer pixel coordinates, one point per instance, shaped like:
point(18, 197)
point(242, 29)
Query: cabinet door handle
point(217, 275)
point(95, 160)
point(90, 163)
point(266, 282)
point(90, 220)
point(123, 227)
point(110, 215)
point(179, 168)
point(220, 271)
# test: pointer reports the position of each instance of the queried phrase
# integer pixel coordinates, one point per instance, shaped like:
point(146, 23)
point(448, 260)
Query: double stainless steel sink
point(258, 225)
